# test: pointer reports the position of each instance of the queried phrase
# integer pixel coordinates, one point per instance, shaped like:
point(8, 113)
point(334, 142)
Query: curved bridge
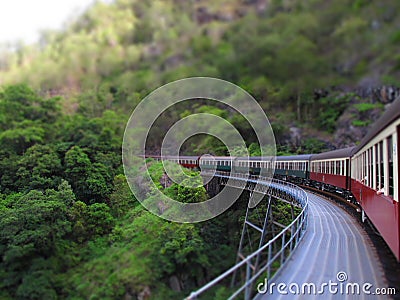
point(272, 255)
point(335, 260)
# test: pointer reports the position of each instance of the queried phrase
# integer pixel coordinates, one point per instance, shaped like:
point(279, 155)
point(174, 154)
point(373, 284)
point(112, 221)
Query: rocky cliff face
point(365, 107)
point(362, 113)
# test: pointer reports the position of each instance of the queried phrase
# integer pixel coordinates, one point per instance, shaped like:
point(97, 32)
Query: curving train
point(366, 175)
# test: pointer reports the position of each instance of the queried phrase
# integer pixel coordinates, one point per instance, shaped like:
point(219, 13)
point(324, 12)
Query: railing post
point(283, 248)
point(247, 290)
point(269, 260)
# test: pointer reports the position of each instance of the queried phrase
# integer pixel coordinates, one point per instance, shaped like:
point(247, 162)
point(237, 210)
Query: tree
point(32, 224)
point(121, 199)
point(40, 168)
point(90, 221)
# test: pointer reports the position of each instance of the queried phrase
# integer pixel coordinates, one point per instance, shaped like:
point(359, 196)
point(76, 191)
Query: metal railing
point(275, 252)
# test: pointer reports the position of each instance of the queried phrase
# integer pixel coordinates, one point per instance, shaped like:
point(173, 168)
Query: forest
point(70, 228)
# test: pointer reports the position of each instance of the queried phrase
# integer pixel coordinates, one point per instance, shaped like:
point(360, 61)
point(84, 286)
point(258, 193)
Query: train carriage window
point(377, 168)
point(364, 166)
point(370, 168)
point(391, 167)
point(381, 166)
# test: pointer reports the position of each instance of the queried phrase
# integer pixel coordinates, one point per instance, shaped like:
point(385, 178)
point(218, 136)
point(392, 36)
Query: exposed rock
point(175, 284)
point(145, 294)
point(387, 94)
point(347, 134)
point(225, 16)
point(295, 136)
point(203, 15)
point(153, 50)
point(370, 87)
point(173, 61)
point(165, 181)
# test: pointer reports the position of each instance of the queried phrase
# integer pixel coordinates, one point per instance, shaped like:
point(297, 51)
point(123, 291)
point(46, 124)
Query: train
point(366, 175)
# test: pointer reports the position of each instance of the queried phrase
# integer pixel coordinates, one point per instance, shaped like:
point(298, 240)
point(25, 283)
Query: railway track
point(389, 263)
point(335, 242)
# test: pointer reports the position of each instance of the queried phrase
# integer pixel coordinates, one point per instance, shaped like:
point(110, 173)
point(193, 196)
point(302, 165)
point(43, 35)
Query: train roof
point(340, 153)
point(390, 115)
point(173, 157)
point(255, 158)
point(294, 157)
point(277, 158)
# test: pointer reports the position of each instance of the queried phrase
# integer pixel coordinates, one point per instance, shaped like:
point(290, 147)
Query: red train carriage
point(332, 168)
point(190, 162)
point(375, 176)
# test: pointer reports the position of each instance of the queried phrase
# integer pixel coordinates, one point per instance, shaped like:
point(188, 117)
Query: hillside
point(298, 60)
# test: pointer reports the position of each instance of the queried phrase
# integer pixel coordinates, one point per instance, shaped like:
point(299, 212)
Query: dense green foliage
point(296, 59)
point(70, 227)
